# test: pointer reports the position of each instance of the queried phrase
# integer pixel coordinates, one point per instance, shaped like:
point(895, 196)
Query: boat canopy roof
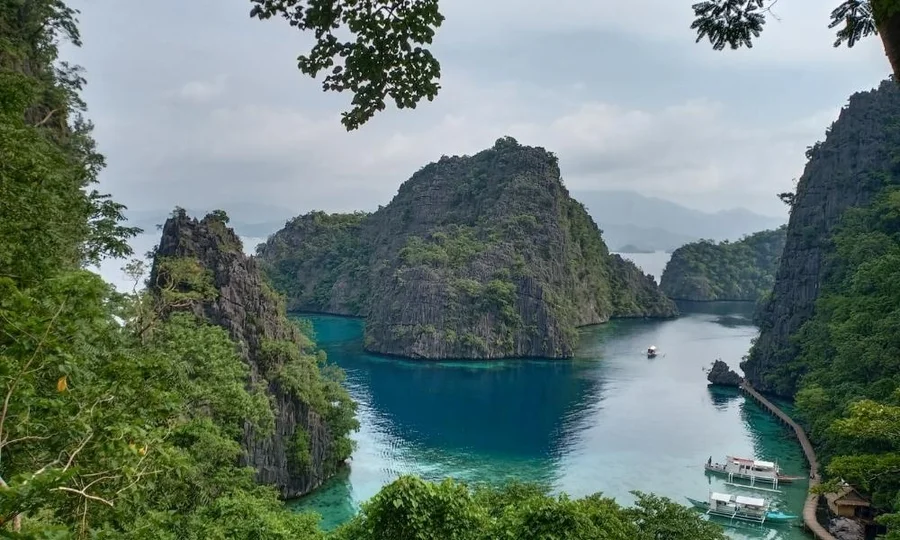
point(755, 462)
point(721, 497)
point(651, 348)
point(750, 501)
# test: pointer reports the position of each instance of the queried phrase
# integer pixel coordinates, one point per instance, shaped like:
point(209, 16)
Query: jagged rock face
point(846, 529)
point(476, 257)
point(742, 271)
point(845, 170)
point(722, 375)
point(251, 315)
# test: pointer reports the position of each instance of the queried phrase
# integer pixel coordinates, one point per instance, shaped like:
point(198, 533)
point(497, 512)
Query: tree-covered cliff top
point(735, 271)
point(483, 256)
point(201, 264)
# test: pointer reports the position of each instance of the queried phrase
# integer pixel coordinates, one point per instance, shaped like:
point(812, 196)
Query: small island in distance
point(707, 271)
point(631, 248)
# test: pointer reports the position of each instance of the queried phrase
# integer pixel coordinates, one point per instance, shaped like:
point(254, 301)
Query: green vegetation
point(306, 375)
point(331, 243)
point(453, 247)
point(121, 416)
point(489, 250)
point(415, 510)
point(848, 369)
point(737, 271)
point(385, 55)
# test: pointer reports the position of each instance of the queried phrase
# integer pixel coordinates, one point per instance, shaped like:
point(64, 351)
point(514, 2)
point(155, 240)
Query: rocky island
point(483, 256)
point(203, 262)
point(707, 271)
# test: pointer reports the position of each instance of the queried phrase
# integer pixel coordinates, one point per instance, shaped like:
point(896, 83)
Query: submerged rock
point(723, 375)
point(483, 256)
point(254, 315)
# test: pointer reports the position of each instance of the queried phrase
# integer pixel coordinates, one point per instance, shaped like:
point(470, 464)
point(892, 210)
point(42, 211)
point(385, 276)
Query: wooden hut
point(849, 503)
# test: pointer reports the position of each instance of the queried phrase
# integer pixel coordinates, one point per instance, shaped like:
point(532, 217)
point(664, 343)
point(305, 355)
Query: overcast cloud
point(196, 104)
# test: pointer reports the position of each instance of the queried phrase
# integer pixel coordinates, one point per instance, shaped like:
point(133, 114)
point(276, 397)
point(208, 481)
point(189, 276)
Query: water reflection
point(517, 409)
point(722, 397)
point(611, 420)
point(732, 309)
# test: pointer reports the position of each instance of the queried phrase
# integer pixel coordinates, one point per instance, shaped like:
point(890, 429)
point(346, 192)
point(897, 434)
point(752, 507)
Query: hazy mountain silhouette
point(247, 219)
point(651, 223)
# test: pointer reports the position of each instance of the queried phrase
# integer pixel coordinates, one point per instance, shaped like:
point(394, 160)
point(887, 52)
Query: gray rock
point(483, 256)
point(843, 171)
point(846, 529)
point(723, 375)
point(250, 316)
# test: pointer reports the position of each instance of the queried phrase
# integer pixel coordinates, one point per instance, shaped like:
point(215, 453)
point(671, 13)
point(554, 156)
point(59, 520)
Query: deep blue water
point(610, 420)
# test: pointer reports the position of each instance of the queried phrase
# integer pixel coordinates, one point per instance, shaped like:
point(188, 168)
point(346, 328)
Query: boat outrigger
point(741, 508)
point(651, 352)
point(750, 469)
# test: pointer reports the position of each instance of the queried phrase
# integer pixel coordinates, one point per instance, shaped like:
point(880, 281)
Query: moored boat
point(750, 469)
point(741, 508)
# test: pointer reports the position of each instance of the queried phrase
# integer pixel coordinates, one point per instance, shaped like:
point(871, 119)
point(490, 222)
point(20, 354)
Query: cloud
point(201, 91)
point(304, 160)
point(678, 150)
point(796, 32)
point(619, 91)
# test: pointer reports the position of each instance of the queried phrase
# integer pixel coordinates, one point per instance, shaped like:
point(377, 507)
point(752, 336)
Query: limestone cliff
point(313, 415)
point(845, 170)
point(482, 256)
point(706, 271)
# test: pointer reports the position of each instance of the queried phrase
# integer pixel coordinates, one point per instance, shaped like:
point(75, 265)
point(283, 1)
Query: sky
point(198, 105)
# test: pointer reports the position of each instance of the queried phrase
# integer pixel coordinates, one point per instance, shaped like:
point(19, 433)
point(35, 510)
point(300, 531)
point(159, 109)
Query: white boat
point(651, 351)
point(753, 470)
point(740, 507)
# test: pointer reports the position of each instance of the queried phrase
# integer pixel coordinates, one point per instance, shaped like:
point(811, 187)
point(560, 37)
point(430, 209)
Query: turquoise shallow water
point(610, 420)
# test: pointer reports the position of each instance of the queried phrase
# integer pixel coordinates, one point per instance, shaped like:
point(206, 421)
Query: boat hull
point(721, 471)
point(772, 517)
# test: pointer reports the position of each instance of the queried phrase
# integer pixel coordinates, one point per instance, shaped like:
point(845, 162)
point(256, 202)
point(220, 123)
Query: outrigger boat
point(752, 470)
point(651, 352)
point(741, 508)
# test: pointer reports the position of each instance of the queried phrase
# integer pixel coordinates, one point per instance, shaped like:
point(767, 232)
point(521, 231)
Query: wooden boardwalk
point(812, 500)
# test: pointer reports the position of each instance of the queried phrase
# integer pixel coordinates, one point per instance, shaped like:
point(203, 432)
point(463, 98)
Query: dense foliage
point(331, 243)
point(411, 509)
point(849, 365)
point(737, 271)
point(115, 421)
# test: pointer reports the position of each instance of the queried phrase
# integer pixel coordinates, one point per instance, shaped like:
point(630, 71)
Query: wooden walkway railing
point(812, 499)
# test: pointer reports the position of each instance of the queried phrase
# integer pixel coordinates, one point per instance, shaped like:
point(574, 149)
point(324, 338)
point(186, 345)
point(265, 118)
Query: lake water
point(611, 420)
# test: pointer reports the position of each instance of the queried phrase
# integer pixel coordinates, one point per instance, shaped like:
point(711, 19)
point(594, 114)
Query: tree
point(736, 23)
point(386, 54)
point(413, 509)
point(384, 58)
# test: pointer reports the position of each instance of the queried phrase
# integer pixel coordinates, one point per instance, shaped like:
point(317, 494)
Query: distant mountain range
point(640, 223)
point(630, 222)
